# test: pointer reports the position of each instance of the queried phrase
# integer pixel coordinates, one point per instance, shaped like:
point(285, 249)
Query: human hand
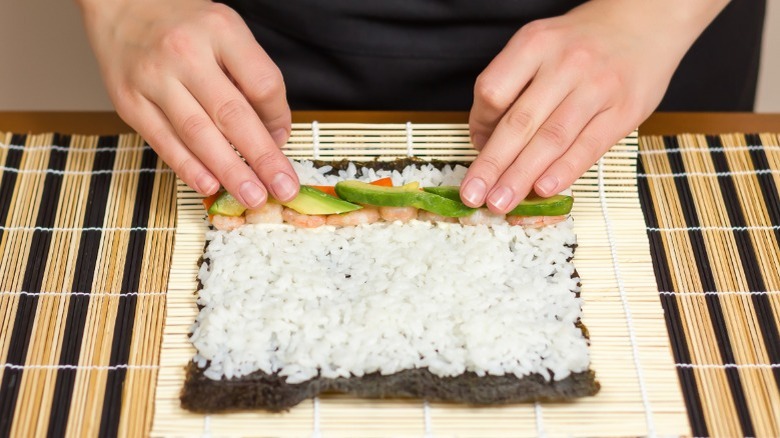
point(565, 89)
point(189, 76)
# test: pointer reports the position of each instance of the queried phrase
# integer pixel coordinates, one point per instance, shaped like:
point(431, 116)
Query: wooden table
point(103, 123)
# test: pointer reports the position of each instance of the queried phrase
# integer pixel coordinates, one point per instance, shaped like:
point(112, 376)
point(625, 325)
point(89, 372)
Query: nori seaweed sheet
point(271, 392)
point(260, 390)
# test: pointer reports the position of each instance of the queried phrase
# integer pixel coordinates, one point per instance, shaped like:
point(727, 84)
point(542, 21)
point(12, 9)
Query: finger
point(198, 132)
point(237, 121)
point(259, 80)
point(550, 142)
point(153, 126)
point(598, 136)
point(513, 132)
point(499, 85)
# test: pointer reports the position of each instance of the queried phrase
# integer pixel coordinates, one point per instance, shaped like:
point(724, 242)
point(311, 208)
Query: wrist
point(673, 24)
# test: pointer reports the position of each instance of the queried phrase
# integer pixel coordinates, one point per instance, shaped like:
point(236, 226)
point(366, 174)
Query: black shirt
point(426, 54)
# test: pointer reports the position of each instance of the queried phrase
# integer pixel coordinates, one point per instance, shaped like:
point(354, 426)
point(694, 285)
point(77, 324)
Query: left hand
point(567, 88)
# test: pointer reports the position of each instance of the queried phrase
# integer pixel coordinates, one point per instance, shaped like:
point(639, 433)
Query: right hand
point(189, 76)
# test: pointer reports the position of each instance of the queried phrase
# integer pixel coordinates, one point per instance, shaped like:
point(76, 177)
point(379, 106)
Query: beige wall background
point(46, 63)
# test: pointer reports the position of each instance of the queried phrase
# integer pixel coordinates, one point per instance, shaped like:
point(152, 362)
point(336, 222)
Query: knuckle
point(568, 166)
point(519, 119)
point(267, 86)
point(490, 166)
point(491, 95)
point(184, 166)
point(608, 80)
point(156, 137)
point(232, 170)
point(555, 133)
point(177, 40)
point(579, 56)
point(533, 29)
point(591, 142)
point(264, 158)
point(194, 126)
point(220, 15)
point(148, 67)
point(519, 174)
point(231, 112)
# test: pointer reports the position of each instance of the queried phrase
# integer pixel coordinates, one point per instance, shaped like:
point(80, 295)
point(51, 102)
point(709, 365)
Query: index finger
point(260, 80)
point(238, 122)
point(500, 84)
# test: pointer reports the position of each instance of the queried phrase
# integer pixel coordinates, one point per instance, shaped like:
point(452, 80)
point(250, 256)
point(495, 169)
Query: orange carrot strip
point(383, 182)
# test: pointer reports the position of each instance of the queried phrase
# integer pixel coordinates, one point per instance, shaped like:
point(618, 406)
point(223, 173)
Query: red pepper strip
point(209, 200)
point(331, 190)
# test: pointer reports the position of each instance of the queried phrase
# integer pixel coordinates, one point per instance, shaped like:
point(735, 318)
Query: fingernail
point(284, 187)
point(501, 197)
point(280, 136)
point(473, 193)
point(252, 194)
point(547, 185)
point(207, 185)
point(479, 141)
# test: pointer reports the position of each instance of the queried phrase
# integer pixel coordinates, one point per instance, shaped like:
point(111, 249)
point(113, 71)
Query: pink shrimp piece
point(403, 214)
point(424, 215)
point(483, 216)
point(366, 215)
point(270, 213)
point(227, 223)
point(534, 221)
point(299, 220)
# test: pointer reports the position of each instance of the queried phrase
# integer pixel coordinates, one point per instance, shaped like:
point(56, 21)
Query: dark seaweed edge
point(260, 390)
point(398, 164)
point(271, 392)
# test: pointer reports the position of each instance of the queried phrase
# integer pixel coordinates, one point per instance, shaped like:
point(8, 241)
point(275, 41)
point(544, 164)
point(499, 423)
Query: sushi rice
point(386, 297)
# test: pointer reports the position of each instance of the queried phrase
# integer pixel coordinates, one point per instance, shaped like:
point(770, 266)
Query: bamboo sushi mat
point(713, 217)
point(630, 349)
point(86, 245)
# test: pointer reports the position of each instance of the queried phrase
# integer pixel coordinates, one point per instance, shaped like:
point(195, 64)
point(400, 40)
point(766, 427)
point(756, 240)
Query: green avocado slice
point(313, 201)
point(308, 201)
point(405, 196)
point(533, 205)
point(227, 205)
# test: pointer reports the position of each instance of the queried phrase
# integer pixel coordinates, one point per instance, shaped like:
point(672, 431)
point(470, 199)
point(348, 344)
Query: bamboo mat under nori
point(712, 210)
point(86, 231)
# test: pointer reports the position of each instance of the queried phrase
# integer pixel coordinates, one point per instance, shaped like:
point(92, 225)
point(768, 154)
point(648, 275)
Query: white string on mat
point(427, 420)
point(409, 140)
point(87, 228)
point(763, 366)
point(315, 433)
point(14, 147)
point(708, 150)
point(82, 172)
point(315, 135)
point(79, 367)
point(715, 292)
point(206, 426)
point(87, 294)
point(626, 308)
point(710, 228)
point(539, 420)
point(710, 174)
